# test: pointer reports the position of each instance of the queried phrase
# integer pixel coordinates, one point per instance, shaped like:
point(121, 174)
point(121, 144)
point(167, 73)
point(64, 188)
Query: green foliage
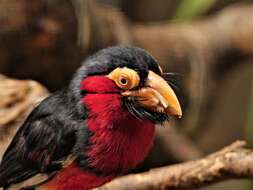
point(191, 9)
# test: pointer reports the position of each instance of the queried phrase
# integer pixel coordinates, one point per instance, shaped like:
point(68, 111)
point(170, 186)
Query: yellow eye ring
point(123, 81)
point(125, 78)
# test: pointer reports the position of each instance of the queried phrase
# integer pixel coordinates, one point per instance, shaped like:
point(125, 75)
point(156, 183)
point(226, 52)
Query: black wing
point(46, 138)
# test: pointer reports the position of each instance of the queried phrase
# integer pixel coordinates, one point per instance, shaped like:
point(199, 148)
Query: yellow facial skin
point(156, 95)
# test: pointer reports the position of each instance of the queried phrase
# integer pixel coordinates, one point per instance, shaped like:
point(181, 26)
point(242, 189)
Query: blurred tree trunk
point(38, 39)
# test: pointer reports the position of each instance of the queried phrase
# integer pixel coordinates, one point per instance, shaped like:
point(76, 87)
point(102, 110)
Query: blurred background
point(208, 42)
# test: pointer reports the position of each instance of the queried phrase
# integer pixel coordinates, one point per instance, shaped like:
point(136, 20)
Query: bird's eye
point(123, 81)
point(125, 78)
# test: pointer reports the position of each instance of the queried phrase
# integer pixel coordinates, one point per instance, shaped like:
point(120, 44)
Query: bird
point(100, 126)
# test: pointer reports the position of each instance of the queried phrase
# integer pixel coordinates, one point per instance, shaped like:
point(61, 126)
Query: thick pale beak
point(157, 95)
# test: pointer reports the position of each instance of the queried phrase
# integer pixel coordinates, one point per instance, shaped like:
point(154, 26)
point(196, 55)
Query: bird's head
point(133, 75)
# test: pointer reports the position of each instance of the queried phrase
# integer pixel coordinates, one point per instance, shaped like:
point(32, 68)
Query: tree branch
point(17, 99)
point(234, 161)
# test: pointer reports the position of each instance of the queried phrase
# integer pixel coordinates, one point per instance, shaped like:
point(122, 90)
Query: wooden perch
point(17, 99)
point(234, 161)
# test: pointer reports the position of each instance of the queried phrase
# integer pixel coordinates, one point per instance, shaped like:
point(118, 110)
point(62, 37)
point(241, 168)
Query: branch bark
point(234, 161)
point(17, 99)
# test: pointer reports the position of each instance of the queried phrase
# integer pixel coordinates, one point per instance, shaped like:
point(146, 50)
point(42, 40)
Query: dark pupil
point(123, 81)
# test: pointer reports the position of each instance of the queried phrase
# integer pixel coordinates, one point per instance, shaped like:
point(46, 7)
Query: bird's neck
point(119, 141)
